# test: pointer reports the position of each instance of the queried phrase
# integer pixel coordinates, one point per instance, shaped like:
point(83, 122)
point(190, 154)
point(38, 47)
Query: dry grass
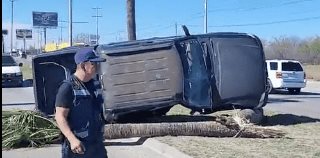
point(303, 140)
point(312, 71)
point(27, 71)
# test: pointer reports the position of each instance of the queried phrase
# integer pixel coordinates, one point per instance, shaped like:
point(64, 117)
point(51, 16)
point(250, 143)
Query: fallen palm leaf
point(27, 128)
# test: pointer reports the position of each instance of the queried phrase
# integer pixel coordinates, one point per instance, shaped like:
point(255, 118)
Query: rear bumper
point(285, 84)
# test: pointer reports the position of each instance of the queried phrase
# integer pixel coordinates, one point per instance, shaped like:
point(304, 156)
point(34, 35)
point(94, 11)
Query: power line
point(239, 9)
point(163, 27)
point(11, 33)
point(257, 8)
point(157, 28)
point(268, 23)
point(233, 25)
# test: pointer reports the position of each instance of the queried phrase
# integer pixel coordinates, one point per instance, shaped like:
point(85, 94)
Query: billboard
point(23, 33)
point(45, 19)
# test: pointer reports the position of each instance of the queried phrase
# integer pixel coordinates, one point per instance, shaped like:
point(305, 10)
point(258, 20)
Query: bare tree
point(284, 48)
point(131, 21)
point(306, 51)
point(310, 50)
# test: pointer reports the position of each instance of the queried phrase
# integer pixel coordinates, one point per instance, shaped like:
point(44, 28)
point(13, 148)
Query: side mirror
point(20, 64)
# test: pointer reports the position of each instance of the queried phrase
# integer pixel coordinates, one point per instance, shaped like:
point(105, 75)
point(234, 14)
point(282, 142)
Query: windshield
point(291, 66)
point(8, 61)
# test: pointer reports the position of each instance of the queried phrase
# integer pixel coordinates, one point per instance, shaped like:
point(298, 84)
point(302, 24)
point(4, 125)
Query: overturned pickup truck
point(206, 73)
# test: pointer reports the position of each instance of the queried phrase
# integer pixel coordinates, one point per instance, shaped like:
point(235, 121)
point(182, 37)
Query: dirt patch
point(312, 72)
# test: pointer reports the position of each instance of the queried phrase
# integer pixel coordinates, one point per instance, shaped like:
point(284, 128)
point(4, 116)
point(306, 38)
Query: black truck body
point(206, 73)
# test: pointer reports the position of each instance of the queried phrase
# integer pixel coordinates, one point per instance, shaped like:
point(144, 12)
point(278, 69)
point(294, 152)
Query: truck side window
point(273, 65)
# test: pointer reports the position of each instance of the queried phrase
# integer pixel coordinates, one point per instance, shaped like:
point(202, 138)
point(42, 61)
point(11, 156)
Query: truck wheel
point(269, 86)
point(161, 112)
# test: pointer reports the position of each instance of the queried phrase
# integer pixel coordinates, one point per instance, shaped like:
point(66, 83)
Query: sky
point(268, 19)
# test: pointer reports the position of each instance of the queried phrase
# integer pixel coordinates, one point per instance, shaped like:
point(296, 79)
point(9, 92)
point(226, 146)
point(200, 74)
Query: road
point(304, 104)
point(307, 103)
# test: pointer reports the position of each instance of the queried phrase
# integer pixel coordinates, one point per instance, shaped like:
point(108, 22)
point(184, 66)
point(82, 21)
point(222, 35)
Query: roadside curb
point(164, 149)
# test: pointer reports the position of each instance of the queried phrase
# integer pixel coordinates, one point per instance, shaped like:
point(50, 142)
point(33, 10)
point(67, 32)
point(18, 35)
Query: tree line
point(307, 50)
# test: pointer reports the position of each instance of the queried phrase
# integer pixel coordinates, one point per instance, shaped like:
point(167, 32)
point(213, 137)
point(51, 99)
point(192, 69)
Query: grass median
point(302, 139)
point(27, 71)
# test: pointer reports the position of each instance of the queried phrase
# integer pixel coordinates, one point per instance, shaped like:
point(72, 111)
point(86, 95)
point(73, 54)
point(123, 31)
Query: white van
point(11, 72)
point(286, 74)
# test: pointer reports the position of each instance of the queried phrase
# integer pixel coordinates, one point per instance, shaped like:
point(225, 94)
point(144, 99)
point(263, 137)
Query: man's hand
point(77, 147)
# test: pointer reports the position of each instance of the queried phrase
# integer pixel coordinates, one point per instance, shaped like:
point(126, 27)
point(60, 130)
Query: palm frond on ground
point(25, 128)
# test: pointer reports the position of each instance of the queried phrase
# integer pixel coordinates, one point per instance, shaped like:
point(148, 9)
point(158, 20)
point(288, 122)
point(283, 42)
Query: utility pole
point(45, 35)
point(39, 41)
point(70, 28)
point(131, 20)
point(40, 33)
point(4, 32)
point(60, 38)
point(11, 47)
point(176, 28)
point(70, 23)
point(97, 16)
point(205, 16)
point(2, 44)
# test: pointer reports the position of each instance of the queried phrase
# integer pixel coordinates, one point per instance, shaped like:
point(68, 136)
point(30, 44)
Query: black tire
point(161, 112)
point(294, 90)
point(20, 84)
point(27, 83)
point(269, 86)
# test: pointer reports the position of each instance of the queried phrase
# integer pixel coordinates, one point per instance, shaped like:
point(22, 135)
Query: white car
point(286, 74)
point(11, 72)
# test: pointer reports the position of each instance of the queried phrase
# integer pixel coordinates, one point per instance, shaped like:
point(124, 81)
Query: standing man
point(79, 110)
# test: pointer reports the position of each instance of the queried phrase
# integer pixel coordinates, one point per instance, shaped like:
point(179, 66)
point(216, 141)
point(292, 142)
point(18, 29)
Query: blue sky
point(265, 18)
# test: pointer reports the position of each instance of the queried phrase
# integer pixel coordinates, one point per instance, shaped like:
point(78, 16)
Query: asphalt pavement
point(305, 104)
point(117, 148)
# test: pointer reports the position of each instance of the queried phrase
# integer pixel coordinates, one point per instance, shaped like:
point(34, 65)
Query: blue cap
point(87, 54)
